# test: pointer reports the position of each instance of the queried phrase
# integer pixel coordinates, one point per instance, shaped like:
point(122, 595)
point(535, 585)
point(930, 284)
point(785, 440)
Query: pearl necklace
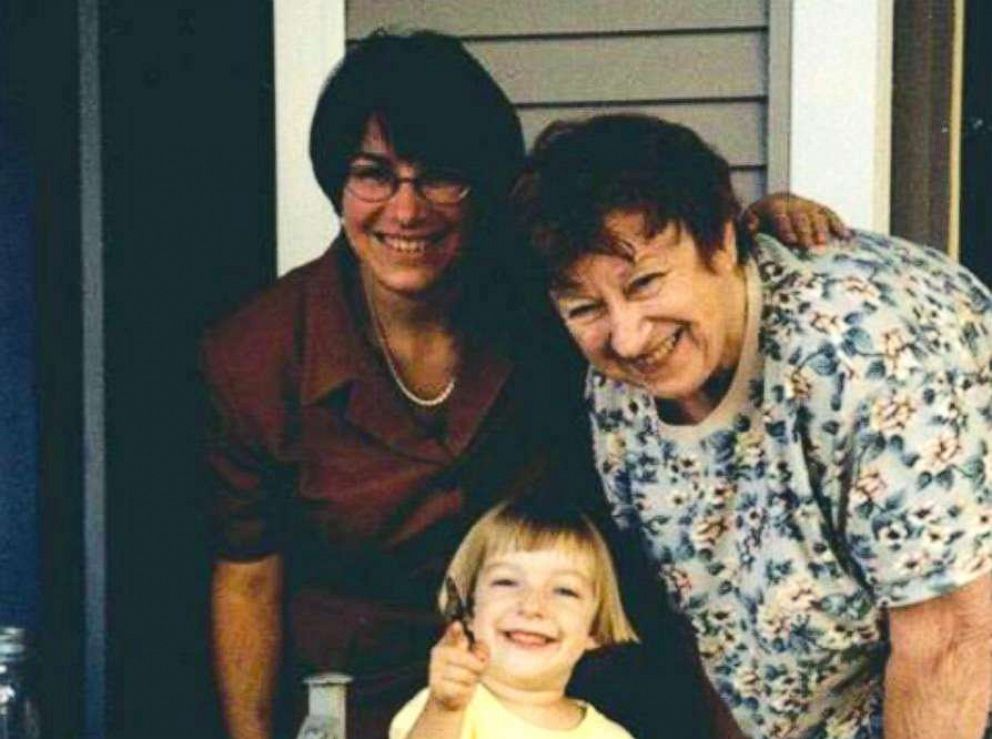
point(380, 336)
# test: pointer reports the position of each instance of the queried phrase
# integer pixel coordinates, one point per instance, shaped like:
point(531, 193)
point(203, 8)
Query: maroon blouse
point(316, 456)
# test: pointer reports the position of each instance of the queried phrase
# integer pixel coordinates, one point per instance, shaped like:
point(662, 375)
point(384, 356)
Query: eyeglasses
point(375, 183)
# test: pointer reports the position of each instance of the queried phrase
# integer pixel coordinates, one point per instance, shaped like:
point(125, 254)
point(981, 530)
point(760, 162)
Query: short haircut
point(530, 523)
point(581, 171)
point(437, 106)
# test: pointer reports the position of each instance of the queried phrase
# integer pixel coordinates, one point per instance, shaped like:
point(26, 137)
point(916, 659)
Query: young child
point(541, 592)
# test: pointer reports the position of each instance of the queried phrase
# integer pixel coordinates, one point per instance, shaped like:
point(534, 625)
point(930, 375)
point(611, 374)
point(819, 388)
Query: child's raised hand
point(455, 668)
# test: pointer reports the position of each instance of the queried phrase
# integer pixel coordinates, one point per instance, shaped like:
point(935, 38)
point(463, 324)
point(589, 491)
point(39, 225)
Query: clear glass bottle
point(326, 700)
point(18, 714)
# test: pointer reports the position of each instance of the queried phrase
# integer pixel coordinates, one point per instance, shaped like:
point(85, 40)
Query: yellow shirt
point(487, 718)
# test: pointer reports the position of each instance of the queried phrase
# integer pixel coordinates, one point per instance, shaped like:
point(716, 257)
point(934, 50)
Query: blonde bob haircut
point(528, 524)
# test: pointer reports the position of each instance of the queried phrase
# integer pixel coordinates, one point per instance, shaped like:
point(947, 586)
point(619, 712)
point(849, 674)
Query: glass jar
point(18, 714)
point(326, 699)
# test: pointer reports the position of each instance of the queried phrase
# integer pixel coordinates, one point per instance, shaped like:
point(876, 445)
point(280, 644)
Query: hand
point(793, 220)
point(456, 668)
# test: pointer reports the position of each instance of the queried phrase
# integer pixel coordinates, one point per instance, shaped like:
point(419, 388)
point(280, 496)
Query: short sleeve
point(403, 721)
point(917, 472)
point(242, 503)
point(887, 355)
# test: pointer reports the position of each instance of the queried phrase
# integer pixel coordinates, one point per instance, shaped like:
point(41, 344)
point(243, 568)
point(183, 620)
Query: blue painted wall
point(19, 522)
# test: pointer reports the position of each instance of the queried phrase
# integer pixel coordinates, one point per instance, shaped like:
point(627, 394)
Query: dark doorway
point(976, 142)
point(39, 79)
point(922, 84)
point(188, 226)
point(183, 105)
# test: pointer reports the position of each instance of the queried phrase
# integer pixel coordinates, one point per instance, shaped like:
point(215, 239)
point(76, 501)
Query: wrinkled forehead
point(626, 235)
point(589, 272)
point(627, 239)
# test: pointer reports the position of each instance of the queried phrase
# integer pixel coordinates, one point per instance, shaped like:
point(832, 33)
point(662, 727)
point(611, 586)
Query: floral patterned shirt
point(847, 469)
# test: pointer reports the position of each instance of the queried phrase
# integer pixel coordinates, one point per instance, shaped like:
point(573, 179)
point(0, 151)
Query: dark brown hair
point(581, 171)
point(437, 104)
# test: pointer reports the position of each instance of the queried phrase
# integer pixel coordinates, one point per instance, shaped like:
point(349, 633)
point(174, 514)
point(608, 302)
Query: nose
point(531, 602)
point(406, 204)
point(628, 331)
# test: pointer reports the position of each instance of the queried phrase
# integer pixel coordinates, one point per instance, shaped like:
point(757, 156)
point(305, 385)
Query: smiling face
point(657, 316)
point(535, 612)
point(405, 243)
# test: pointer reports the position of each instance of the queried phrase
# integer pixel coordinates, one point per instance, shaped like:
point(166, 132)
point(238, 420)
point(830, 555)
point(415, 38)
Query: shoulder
point(870, 278)
point(597, 725)
point(872, 311)
point(407, 716)
point(266, 324)
point(255, 357)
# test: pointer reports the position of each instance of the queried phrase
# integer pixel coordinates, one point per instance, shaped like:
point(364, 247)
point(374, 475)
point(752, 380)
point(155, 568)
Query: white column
point(309, 40)
point(840, 106)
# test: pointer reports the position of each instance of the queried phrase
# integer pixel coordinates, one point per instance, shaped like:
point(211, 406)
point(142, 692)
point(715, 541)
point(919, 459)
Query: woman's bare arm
point(938, 679)
point(247, 640)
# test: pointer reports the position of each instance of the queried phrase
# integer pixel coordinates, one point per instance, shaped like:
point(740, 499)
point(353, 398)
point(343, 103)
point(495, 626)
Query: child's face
point(534, 610)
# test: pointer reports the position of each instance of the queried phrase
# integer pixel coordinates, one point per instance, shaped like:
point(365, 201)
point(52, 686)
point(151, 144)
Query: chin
point(412, 282)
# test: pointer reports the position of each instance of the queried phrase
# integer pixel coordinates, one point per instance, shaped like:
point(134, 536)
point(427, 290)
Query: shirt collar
point(335, 353)
point(333, 350)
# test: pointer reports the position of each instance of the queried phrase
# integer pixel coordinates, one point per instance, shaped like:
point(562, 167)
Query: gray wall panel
point(537, 17)
point(703, 63)
point(652, 68)
point(749, 184)
point(737, 130)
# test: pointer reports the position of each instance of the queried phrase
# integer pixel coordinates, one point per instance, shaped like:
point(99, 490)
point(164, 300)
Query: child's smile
point(535, 611)
point(528, 639)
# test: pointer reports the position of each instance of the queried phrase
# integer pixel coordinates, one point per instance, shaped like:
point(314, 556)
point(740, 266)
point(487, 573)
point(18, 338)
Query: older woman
point(802, 442)
point(372, 403)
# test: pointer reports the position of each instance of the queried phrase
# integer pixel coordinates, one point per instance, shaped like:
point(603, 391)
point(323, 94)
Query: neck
point(548, 708)
point(429, 310)
point(696, 407)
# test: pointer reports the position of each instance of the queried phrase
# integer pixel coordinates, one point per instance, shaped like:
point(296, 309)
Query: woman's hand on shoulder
point(793, 220)
point(455, 669)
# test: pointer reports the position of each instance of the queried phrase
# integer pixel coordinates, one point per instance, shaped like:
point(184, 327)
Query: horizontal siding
point(737, 130)
point(702, 63)
point(551, 17)
point(652, 68)
point(749, 184)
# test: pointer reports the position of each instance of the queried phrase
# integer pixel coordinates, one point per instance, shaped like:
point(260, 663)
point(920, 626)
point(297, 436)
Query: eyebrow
point(565, 287)
point(625, 248)
point(571, 294)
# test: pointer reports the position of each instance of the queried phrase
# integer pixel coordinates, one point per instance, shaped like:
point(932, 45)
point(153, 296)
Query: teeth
point(405, 244)
point(662, 351)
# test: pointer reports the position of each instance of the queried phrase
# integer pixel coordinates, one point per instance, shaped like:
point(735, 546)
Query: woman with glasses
point(371, 404)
